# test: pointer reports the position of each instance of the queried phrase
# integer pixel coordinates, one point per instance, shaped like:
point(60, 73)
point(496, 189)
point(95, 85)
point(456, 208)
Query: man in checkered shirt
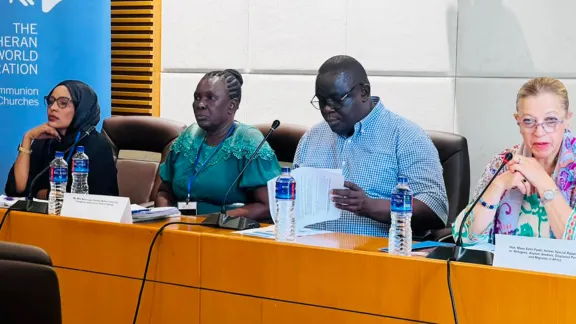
point(373, 146)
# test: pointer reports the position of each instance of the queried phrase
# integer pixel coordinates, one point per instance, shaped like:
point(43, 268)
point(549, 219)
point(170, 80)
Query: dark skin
point(330, 88)
point(214, 112)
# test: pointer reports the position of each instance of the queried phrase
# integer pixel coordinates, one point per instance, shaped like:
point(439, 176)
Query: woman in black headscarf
point(72, 111)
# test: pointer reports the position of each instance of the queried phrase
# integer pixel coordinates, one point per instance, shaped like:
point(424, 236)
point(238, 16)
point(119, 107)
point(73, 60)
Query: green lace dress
point(221, 167)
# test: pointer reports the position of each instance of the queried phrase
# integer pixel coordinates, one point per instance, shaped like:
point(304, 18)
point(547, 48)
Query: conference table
point(199, 274)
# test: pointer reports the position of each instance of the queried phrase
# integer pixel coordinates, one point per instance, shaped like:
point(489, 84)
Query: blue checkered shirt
point(384, 145)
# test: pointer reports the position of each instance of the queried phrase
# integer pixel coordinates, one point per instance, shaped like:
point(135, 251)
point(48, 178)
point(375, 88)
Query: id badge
point(187, 208)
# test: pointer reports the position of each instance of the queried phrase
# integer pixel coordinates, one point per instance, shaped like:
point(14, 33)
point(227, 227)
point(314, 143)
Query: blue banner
point(43, 42)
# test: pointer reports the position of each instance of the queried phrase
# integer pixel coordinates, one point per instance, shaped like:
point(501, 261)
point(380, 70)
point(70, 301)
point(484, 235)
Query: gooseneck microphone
point(29, 204)
point(237, 223)
point(458, 252)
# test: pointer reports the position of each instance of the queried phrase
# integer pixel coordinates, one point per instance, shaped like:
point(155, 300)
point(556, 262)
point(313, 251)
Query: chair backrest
point(284, 140)
point(455, 160)
point(140, 144)
point(29, 291)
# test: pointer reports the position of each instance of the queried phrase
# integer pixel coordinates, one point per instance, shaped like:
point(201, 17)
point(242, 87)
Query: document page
point(313, 204)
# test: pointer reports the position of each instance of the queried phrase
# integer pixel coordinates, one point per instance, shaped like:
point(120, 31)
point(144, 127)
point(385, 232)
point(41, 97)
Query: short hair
point(233, 80)
point(541, 85)
point(353, 71)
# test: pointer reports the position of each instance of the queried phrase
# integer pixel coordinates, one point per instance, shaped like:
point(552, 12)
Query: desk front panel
point(349, 280)
point(91, 298)
point(109, 248)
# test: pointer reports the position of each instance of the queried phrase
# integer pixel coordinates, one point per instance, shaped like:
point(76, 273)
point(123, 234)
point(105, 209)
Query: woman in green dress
point(206, 158)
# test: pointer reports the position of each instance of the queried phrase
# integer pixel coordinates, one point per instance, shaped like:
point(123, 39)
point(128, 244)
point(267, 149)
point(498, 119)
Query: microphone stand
point(458, 252)
point(222, 220)
point(29, 205)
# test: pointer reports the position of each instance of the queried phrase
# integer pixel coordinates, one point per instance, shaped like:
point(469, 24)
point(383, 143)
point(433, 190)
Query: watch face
point(549, 194)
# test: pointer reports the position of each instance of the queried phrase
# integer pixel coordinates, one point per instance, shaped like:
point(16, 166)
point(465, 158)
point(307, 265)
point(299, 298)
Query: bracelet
point(23, 150)
point(487, 205)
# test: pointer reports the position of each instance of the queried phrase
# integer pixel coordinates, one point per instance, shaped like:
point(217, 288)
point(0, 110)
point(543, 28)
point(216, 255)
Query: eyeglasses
point(336, 104)
point(529, 125)
point(62, 102)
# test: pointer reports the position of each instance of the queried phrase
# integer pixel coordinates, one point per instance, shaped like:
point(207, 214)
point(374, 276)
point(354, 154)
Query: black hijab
point(86, 109)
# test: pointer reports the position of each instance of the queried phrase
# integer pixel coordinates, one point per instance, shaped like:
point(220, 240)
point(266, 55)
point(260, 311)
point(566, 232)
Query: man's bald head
point(351, 70)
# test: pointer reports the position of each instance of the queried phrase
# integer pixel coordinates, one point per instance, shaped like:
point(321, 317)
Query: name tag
point(535, 254)
point(187, 208)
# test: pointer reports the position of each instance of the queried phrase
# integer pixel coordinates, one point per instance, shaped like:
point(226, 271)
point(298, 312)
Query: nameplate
point(535, 254)
point(95, 207)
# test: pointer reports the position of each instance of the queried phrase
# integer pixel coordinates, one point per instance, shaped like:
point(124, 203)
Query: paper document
point(313, 204)
point(141, 214)
point(268, 232)
point(6, 201)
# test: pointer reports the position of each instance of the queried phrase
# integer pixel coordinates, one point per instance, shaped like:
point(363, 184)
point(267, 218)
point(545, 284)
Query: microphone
point(222, 219)
point(458, 252)
point(29, 204)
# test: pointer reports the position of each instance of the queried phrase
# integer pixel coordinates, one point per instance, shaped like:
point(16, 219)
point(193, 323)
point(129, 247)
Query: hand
point(43, 132)
point(533, 171)
point(353, 199)
point(513, 180)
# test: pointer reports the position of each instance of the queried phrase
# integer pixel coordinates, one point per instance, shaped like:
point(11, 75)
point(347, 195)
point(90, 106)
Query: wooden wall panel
point(136, 42)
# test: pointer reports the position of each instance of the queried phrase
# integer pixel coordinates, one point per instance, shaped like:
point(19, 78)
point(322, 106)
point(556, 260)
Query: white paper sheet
point(313, 204)
point(268, 232)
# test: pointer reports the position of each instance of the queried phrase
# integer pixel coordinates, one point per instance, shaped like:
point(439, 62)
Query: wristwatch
point(548, 195)
point(23, 150)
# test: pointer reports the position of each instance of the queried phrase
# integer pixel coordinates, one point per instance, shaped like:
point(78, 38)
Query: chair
point(453, 152)
point(140, 144)
point(29, 290)
point(284, 140)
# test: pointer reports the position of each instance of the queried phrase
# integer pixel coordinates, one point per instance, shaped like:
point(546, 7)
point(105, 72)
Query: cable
point(451, 292)
point(148, 261)
point(5, 216)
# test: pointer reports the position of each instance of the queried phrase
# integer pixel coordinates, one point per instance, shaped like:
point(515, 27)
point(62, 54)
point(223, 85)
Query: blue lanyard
point(71, 152)
point(194, 172)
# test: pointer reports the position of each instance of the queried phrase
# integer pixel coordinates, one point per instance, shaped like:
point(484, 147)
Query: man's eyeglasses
point(336, 104)
point(62, 102)
point(529, 125)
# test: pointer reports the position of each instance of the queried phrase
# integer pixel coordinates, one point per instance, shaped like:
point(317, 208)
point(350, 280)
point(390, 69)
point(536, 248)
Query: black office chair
point(29, 290)
point(284, 140)
point(455, 160)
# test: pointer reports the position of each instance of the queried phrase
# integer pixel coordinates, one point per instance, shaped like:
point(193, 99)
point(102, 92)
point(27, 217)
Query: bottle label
point(80, 166)
point(58, 175)
point(401, 203)
point(286, 190)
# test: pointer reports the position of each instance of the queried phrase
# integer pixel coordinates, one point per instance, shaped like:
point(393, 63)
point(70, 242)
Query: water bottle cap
point(402, 179)
point(285, 170)
point(80, 149)
point(59, 155)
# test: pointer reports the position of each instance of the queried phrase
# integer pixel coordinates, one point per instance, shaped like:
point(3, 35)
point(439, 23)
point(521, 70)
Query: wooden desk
point(204, 275)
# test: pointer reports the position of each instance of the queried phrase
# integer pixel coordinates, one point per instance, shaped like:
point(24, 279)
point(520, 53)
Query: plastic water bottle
point(285, 218)
point(58, 183)
point(80, 172)
point(400, 238)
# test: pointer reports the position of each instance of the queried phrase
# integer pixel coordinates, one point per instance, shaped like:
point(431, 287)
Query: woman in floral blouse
point(534, 195)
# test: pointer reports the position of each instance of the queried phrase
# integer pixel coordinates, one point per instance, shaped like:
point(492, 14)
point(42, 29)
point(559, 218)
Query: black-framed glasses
point(62, 102)
point(336, 104)
point(529, 125)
